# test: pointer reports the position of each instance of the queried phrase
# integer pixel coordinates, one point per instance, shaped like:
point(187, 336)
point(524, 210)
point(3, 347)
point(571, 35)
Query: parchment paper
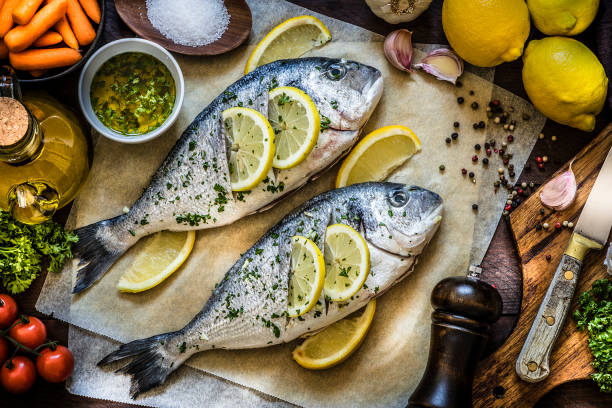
point(386, 368)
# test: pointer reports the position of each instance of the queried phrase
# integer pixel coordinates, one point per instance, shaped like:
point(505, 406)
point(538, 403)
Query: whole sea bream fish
point(191, 189)
point(248, 308)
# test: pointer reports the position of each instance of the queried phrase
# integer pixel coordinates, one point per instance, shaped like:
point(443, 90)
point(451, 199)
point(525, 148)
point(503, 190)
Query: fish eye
point(398, 198)
point(335, 72)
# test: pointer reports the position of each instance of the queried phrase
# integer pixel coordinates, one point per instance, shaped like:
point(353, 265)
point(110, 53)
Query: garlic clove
point(560, 192)
point(398, 11)
point(398, 49)
point(442, 63)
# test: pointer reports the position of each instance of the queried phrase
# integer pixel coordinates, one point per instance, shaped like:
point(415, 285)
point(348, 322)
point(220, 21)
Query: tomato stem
point(18, 346)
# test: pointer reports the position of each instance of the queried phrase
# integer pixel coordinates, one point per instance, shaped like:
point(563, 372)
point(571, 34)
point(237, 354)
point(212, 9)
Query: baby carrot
point(47, 39)
point(25, 10)
point(92, 8)
point(21, 37)
point(47, 58)
point(6, 16)
point(79, 22)
point(3, 50)
point(64, 29)
point(37, 73)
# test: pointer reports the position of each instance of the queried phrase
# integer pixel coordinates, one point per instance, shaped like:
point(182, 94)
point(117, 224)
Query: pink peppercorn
point(520, 191)
point(557, 225)
point(540, 165)
point(548, 257)
point(510, 138)
point(495, 150)
point(488, 152)
point(508, 207)
point(506, 161)
point(463, 171)
point(539, 159)
point(475, 158)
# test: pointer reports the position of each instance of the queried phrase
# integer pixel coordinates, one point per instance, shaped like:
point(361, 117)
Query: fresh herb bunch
point(22, 248)
point(594, 313)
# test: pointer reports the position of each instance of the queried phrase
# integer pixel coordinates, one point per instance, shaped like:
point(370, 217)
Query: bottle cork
point(14, 121)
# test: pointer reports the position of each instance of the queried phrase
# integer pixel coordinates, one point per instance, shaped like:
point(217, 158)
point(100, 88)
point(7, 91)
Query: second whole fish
point(191, 189)
point(248, 308)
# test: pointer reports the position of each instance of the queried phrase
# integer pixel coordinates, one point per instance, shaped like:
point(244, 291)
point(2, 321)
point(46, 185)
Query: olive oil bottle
point(43, 153)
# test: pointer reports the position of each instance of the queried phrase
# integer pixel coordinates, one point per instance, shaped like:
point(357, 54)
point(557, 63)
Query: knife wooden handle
point(464, 308)
point(533, 363)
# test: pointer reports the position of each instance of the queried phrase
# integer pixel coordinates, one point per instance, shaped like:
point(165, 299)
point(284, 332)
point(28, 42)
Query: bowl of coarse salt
point(189, 26)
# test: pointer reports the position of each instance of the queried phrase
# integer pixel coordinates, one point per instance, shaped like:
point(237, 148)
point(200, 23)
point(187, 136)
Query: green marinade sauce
point(132, 93)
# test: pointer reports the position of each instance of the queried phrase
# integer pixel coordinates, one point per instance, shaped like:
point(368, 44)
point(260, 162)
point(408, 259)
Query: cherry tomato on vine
point(18, 375)
point(55, 365)
point(30, 332)
point(8, 311)
point(4, 350)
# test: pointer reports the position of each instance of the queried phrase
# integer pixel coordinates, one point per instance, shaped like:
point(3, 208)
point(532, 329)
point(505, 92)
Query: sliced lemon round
point(251, 141)
point(289, 39)
point(307, 276)
point(377, 155)
point(337, 342)
point(296, 124)
point(347, 262)
point(159, 257)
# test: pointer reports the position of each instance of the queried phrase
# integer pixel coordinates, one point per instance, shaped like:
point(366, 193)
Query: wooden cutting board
point(496, 383)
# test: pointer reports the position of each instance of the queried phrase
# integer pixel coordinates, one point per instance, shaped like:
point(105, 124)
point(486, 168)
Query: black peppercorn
point(460, 100)
point(448, 140)
point(481, 124)
point(458, 84)
point(475, 125)
point(485, 161)
point(538, 226)
point(471, 174)
point(487, 145)
point(474, 206)
point(454, 135)
point(477, 146)
point(455, 124)
point(511, 174)
point(474, 105)
point(471, 92)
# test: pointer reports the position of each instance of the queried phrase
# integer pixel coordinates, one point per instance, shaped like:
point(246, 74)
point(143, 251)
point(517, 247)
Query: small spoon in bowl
point(134, 14)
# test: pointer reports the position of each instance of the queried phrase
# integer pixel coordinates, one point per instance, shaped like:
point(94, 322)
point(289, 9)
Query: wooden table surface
point(500, 264)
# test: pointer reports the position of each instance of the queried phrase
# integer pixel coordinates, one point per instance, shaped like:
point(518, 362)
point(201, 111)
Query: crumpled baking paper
point(391, 360)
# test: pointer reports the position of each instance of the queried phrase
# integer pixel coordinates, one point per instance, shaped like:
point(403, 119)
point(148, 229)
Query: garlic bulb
point(398, 49)
point(398, 11)
point(559, 193)
point(442, 63)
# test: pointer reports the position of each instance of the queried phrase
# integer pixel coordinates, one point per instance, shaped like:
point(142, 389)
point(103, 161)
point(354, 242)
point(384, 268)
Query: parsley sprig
point(23, 248)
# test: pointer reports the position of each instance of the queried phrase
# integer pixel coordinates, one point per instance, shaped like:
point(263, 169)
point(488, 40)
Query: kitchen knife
point(464, 309)
point(591, 232)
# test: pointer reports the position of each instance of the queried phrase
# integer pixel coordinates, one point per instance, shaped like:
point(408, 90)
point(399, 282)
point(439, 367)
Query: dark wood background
point(501, 264)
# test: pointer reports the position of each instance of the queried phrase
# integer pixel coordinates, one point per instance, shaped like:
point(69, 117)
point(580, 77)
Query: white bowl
point(119, 47)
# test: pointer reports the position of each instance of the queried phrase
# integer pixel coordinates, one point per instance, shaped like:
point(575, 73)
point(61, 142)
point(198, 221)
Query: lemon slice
point(289, 39)
point(337, 342)
point(296, 123)
point(159, 256)
point(251, 141)
point(377, 155)
point(307, 276)
point(347, 262)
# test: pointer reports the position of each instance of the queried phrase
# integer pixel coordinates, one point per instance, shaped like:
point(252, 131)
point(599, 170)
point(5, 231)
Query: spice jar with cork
point(43, 153)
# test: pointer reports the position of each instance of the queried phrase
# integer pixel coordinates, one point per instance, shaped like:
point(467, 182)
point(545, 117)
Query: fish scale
point(248, 308)
point(192, 190)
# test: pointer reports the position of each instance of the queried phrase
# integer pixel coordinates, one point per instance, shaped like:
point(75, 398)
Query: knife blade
point(591, 233)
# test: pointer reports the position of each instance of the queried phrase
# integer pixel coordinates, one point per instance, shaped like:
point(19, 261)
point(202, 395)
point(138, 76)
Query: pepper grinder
point(465, 307)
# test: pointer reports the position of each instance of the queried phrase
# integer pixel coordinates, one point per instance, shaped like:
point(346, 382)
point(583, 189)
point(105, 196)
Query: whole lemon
point(486, 32)
point(565, 81)
point(562, 17)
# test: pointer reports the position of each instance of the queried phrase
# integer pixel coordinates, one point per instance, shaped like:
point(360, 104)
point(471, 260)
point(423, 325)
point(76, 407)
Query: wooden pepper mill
point(464, 309)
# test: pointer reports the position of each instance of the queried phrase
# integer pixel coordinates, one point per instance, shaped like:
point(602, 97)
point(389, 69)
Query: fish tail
point(97, 249)
point(152, 363)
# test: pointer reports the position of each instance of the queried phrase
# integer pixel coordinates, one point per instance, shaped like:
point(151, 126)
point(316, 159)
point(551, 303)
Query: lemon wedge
point(296, 124)
point(289, 39)
point(337, 342)
point(347, 262)
point(377, 155)
point(251, 141)
point(307, 276)
point(159, 257)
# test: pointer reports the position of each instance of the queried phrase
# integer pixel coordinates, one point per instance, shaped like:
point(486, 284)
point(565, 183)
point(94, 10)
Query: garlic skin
point(398, 49)
point(398, 11)
point(560, 192)
point(442, 63)
point(608, 260)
